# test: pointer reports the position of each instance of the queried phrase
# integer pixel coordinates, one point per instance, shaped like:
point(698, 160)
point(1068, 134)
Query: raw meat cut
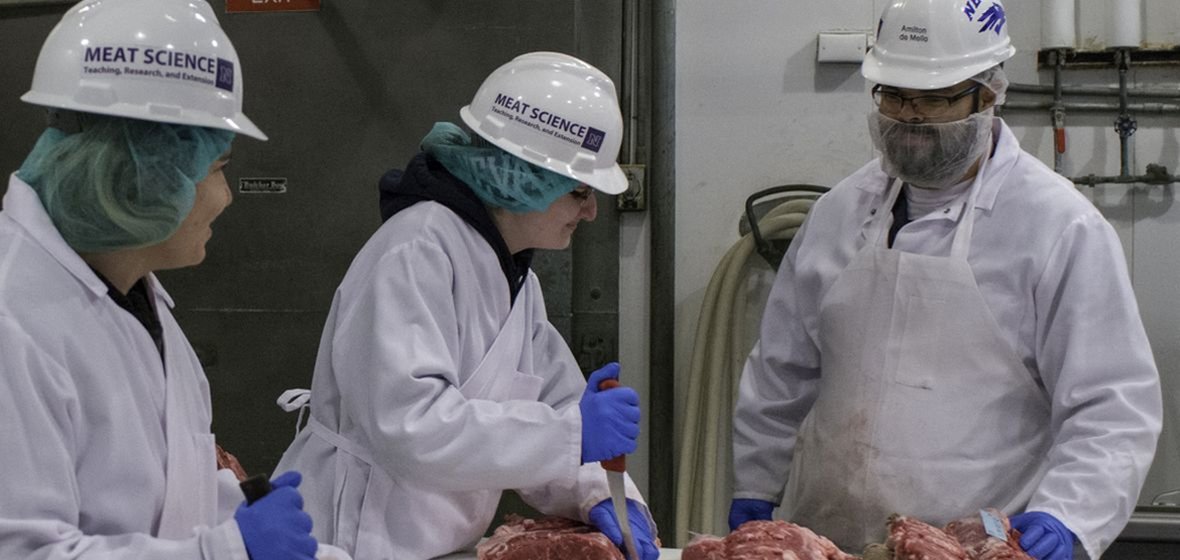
point(877, 551)
point(548, 538)
point(765, 540)
point(911, 539)
point(227, 461)
point(974, 538)
point(704, 547)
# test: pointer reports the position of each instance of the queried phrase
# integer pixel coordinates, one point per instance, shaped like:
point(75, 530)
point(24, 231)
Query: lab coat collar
point(426, 179)
point(158, 289)
point(22, 205)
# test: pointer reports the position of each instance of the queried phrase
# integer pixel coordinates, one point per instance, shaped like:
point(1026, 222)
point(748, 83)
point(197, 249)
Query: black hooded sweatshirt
point(426, 179)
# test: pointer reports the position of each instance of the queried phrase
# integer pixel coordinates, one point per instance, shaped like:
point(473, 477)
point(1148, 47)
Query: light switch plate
point(842, 47)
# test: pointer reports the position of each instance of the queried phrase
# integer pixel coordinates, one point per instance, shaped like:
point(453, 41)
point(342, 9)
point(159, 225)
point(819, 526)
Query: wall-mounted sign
point(266, 185)
point(232, 6)
point(22, 3)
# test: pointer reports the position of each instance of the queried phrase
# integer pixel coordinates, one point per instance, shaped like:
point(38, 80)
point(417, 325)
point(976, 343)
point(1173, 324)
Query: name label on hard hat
point(161, 64)
point(548, 122)
point(263, 185)
point(232, 6)
point(913, 33)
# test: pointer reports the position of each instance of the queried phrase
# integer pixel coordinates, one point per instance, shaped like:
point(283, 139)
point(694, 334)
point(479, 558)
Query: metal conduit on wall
point(1124, 36)
point(1125, 124)
point(662, 190)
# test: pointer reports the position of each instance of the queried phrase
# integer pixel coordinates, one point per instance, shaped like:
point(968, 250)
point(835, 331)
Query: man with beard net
point(953, 328)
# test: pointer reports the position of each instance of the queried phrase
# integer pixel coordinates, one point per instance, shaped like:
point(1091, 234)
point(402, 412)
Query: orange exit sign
point(232, 6)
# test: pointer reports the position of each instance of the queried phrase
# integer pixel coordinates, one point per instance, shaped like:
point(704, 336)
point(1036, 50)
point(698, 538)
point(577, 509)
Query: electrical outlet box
point(635, 197)
point(846, 47)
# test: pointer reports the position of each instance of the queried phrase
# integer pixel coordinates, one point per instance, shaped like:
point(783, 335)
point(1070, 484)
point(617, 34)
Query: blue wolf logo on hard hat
point(993, 18)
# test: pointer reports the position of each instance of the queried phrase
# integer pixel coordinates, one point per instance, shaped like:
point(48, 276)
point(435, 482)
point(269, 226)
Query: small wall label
point(232, 6)
point(263, 185)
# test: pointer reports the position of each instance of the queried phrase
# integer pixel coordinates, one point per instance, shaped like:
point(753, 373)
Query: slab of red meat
point(911, 539)
point(765, 540)
point(972, 535)
point(548, 538)
point(227, 461)
point(704, 547)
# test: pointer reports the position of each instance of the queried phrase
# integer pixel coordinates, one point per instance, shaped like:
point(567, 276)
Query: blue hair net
point(498, 178)
point(120, 183)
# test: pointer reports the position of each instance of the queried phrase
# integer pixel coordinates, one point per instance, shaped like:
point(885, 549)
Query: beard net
point(931, 155)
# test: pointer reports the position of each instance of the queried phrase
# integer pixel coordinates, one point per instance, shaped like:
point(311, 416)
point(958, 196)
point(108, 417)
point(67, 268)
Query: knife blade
point(618, 490)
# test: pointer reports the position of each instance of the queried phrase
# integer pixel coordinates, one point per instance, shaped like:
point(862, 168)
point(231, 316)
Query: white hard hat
point(554, 111)
point(932, 44)
point(155, 60)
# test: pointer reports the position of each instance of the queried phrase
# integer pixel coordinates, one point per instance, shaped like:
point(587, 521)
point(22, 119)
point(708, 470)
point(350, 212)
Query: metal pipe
point(661, 493)
point(1155, 108)
point(1156, 175)
point(1093, 90)
point(1125, 124)
point(1057, 115)
point(631, 36)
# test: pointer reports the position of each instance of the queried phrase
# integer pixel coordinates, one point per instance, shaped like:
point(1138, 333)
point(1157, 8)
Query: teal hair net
point(120, 183)
point(498, 178)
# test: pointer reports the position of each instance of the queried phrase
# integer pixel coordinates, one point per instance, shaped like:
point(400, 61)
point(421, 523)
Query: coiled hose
point(720, 348)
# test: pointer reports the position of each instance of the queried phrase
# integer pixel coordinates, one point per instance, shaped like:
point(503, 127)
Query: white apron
point(923, 408)
point(364, 530)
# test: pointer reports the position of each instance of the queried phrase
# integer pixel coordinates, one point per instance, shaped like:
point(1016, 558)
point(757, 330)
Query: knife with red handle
point(618, 490)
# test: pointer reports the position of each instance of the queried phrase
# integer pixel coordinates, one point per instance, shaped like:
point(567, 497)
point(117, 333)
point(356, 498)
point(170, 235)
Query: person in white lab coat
point(104, 409)
point(440, 382)
point(953, 328)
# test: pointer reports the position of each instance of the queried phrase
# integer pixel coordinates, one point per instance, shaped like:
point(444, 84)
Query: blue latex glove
point(746, 509)
point(610, 419)
point(1043, 536)
point(603, 517)
point(275, 527)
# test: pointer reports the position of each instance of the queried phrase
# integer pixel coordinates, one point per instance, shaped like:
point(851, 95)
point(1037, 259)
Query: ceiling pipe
point(1058, 20)
point(1095, 91)
point(1124, 24)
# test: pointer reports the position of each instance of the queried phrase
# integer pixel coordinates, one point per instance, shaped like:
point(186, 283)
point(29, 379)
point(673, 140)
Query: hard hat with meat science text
point(554, 111)
point(932, 44)
point(156, 60)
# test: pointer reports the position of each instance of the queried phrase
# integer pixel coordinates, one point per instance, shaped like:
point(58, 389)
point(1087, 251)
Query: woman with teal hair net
point(106, 414)
point(120, 183)
point(440, 380)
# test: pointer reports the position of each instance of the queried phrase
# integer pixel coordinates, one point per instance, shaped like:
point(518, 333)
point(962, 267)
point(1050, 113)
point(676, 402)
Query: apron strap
point(966, 229)
point(339, 441)
point(300, 399)
point(296, 399)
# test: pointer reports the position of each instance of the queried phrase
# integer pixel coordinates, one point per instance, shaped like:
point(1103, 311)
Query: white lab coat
point(104, 452)
point(433, 393)
point(1051, 273)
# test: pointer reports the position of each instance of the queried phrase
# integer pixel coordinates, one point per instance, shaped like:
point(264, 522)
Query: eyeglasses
point(890, 103)
point(582, 194)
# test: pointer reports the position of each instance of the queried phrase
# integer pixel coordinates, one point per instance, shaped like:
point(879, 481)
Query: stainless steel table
point(665, 554)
